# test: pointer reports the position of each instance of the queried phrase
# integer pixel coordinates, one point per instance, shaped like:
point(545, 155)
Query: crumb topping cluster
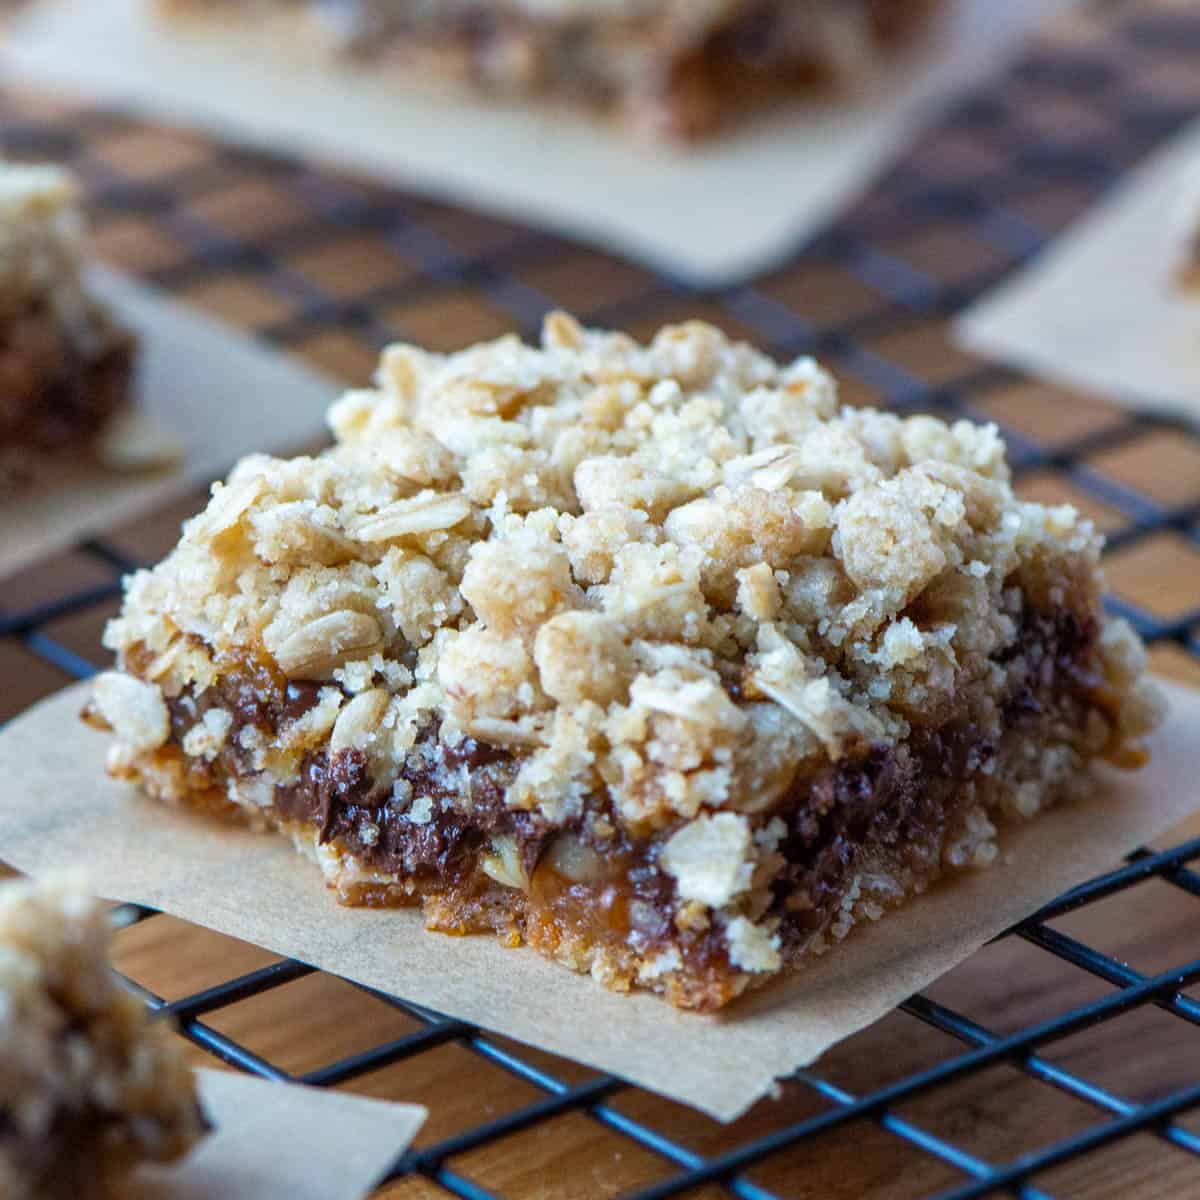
point(671, 571)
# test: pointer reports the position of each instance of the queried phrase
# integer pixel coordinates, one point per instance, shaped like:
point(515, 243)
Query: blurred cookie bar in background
point(669, 68)
point(90, 1084)
point(65, 362)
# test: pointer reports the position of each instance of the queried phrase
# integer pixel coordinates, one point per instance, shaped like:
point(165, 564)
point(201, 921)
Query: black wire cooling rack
point(980, 194)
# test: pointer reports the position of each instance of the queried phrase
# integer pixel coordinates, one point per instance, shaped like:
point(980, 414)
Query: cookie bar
point(672, 67)
point(65, 364)
point(650, 656)
point(89, 1084)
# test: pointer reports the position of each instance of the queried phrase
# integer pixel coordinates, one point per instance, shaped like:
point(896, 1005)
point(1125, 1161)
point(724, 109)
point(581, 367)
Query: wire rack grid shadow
point(982, 193)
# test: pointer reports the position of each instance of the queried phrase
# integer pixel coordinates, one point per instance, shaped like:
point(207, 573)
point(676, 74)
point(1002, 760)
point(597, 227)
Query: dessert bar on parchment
point(65, 364)
point(678, 68)
point(651, 656)
point(90, 1085)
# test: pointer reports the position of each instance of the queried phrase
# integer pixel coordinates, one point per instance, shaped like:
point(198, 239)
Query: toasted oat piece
point(65, 364)
point(90, 1086)
point(650, 656)
point(679, 68)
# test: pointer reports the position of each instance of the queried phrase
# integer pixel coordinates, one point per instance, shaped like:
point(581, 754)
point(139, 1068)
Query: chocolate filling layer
point(882, 799)
point(338, 797)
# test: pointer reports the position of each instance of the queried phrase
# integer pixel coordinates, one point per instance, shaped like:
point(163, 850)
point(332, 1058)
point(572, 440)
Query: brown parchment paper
point(210, 393)
point(279, 1141)
point(57, 807)
point(712, 213)
point(1105, 308)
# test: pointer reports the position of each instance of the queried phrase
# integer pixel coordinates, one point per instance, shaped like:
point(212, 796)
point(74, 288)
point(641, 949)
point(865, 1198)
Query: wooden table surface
point(248, 238)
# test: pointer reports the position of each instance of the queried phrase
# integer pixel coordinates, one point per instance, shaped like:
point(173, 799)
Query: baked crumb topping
point(568, 551)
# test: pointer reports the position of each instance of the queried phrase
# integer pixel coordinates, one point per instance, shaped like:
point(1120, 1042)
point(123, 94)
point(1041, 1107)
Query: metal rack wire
point(996, 178)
